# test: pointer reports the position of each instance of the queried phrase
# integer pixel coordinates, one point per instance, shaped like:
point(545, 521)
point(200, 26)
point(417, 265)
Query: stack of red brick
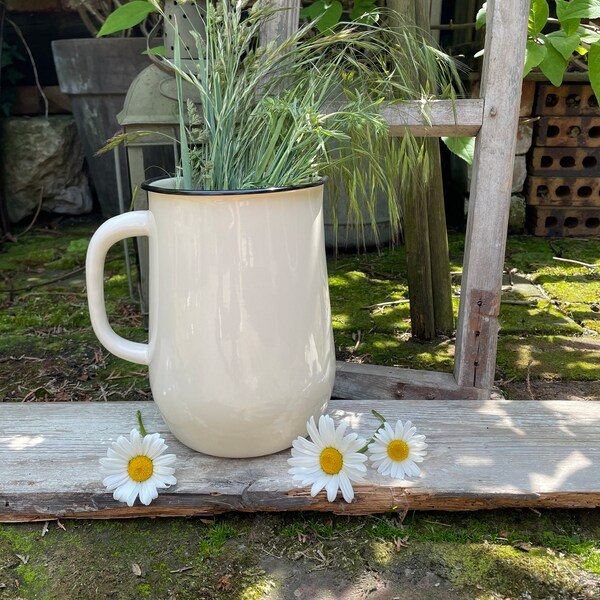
point(563, 187)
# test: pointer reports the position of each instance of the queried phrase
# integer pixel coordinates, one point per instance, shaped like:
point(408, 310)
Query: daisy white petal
point(164, 460)
point(302, 444)
point(133, 494)
point(114, 481)
point(411, 469)
point(163, 470)
point(332, 487)
point(329, 460)
point(167, 481)
point(338, 434)
point(147, 492)
point(349, 443)
point(109, 464)
point(123, 492)
point(346, 487)
point(313, 432)
point(394, 451)
point(317, 486)
point(118, 451)
point(136, 467)
point(152, 445)
point(301, 461)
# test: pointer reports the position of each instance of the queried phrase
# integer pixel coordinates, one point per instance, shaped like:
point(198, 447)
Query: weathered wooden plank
point(356, 381)
point(477, 330)
point(436, 118)
point(482, 454)
point(283, 24)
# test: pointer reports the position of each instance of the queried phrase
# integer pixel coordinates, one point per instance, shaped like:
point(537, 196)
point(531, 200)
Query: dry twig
point(576, 262)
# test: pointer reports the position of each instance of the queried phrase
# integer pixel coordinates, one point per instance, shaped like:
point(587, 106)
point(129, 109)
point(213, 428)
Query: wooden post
point(418, 261)
point(282, 24)
point(416, 228)
point(435, 213)
point(476, 338)
point(425, 235)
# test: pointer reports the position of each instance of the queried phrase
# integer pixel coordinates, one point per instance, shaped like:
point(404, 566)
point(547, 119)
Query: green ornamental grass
point(304, 108)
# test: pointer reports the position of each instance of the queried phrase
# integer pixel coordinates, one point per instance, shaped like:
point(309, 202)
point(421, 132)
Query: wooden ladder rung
point(438, 118)
point(482, 454)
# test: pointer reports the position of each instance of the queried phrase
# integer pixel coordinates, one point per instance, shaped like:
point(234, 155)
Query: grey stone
point(43, 156)
point(516, 217)
point(519, 174)
point(524, 136)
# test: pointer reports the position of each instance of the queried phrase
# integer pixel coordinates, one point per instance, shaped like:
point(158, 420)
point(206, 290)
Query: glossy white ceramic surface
point(241, 349)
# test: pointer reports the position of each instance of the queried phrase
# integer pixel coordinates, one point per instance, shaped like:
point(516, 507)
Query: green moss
point(530, 254)
point(570, 287)
point(216, 535)
point(549, 357)
point(255, 583)
point(188, 558)
point(505, 570)
point(541, 319)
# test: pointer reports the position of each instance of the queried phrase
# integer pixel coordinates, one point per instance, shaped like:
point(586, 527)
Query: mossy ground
point(48, 353)
point(501, 554)
point(45, 329)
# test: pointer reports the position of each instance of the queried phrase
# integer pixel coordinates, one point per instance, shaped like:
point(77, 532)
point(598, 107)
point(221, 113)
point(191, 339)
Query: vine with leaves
point(568, 42)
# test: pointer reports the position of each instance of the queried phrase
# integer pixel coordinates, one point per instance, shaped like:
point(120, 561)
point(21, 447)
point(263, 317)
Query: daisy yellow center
point(331, 461)
point(398, 450)
point(140, 468)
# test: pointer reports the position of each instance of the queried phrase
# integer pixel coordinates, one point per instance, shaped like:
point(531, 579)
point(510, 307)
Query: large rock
point(516, 216)
point(43, 156)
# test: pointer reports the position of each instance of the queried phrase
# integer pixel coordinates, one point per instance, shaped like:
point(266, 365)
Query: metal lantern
point(151, 106)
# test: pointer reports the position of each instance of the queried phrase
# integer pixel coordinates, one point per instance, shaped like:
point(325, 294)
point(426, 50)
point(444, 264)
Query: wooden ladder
point(493, 119)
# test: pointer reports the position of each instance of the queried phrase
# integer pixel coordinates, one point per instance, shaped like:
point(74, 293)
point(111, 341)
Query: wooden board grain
point(437, 118)
point(356, 381)
point(482, 454)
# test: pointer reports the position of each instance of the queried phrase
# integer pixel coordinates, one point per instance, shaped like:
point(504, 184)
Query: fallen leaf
point(302, 537)
point(224, 583)
point(524, 546)
point(2, 586)
point(207, 521)
point(136, 569)
point(400, 543)
point(45, 528)
point(60, 525)
point(24, 558)
point(17, 583)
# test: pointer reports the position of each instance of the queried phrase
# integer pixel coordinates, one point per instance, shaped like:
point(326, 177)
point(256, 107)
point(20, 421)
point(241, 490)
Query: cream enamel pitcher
point(240, 349)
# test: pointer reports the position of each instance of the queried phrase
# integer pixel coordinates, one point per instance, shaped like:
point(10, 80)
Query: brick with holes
point(552, 221)
point(558, 162)
point(574, 99)
point(569, 131)
point(563, 191)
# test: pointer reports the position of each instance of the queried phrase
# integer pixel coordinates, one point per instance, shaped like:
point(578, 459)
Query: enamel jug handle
point(131, 224)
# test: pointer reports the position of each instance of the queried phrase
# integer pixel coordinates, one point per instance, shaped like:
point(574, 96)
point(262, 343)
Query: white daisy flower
point(394, 452)
point(331, 460)
point(137, 467)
